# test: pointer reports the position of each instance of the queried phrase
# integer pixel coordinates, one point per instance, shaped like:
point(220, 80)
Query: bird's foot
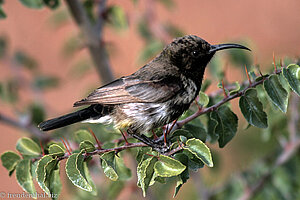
point(157, 145)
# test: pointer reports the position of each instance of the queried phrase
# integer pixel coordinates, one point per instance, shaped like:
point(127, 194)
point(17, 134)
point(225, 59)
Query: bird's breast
point(188, 93)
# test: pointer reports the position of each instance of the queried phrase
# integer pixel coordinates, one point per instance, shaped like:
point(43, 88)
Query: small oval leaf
point(84, 135)
point(89, 179)
point(252, 109)
point(44, 169)
point(168, 167)
point(291, 74)
point(28, 148)
point(145, 171)
point(9, 160)
point(54, 183)
point(200, 150)
point(23, 175)
point(107, 164)
point(203, 99)
point(276, 92)
point(56, 150)
point(114, 167)
point(227, 123)
point(36, 4)
point(87, 146)
point(74, 171)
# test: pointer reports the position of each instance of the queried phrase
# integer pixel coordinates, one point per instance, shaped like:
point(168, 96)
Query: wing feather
point(129, 90)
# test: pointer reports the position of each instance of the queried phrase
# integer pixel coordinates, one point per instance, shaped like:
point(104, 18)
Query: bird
point(155, 95)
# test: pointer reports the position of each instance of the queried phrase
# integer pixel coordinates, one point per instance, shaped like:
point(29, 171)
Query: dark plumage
point(155, 95)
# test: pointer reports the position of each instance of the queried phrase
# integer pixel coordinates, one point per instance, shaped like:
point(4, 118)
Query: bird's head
point(191, 53)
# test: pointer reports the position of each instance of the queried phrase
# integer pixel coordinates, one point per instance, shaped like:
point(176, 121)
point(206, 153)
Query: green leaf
point(75, 172)
point(214, 68)
point(203, 99)
point(84, 135)
point(114, 167)
point(181, 132)
point(37, 113)
point(108, 170)
point(2, 13)
point(253, 75)
point(89, 179)
point(23, 176)
point(227, 124)
point(173, 30)
point(71, 46)
point(87, 146)
point(291, 74)
point(117, 17)
point(144, 31)
point(9, 91)
point(28, 148)
point(89, 6)
point(169, 4)
point(197, 131)
point(53, 4)
point(141, 152)
point(184, 176)
point(252, 109)
point(9, 160)
point(35, 4)
point(236, 89)
point(194, 162)
point(44, 169)
point(168, 167)
point(55, 185)
point(284, 82)
point(211, 127)
point(45, 82)
point(151, 49)
point(200, 150)
point(156, 178)
point(56, 150)
point(3, 44)
point(33, 169)
point(145, 171)
point(276, 92)
point(81, 68)
point(59, 18)
point(240, 58)
point(25, 60)
point(179, 184)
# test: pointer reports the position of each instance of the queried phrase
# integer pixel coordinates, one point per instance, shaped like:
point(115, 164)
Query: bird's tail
point(94, 111)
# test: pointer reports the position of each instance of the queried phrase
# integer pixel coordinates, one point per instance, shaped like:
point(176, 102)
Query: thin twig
point(25, 126)
point(102, 151)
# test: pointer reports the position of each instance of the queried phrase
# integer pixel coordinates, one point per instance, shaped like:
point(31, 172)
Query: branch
point(92, 35)
point(25, 126)
point(102, 151)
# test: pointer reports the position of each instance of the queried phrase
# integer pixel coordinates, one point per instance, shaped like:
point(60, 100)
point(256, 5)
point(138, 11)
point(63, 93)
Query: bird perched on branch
point(155, 95)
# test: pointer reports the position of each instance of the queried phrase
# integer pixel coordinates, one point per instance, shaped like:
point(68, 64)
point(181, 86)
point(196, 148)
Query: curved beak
point(219, 47)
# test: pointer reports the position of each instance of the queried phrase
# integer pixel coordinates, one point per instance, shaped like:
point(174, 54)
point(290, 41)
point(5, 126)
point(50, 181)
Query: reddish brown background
point(271, 25)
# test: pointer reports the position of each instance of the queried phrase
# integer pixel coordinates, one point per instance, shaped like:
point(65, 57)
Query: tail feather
point(94, 111)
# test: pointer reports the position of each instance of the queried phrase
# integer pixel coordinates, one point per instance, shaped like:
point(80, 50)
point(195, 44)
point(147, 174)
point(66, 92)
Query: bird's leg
point(124, 136)
point(157, 146)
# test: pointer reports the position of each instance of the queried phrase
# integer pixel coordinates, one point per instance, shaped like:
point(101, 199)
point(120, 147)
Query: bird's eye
point(195, 53)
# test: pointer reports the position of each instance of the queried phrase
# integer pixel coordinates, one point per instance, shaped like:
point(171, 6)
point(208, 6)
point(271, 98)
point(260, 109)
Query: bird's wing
point(130, 90)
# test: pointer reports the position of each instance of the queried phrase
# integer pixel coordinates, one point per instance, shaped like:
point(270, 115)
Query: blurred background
point(44, 61)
